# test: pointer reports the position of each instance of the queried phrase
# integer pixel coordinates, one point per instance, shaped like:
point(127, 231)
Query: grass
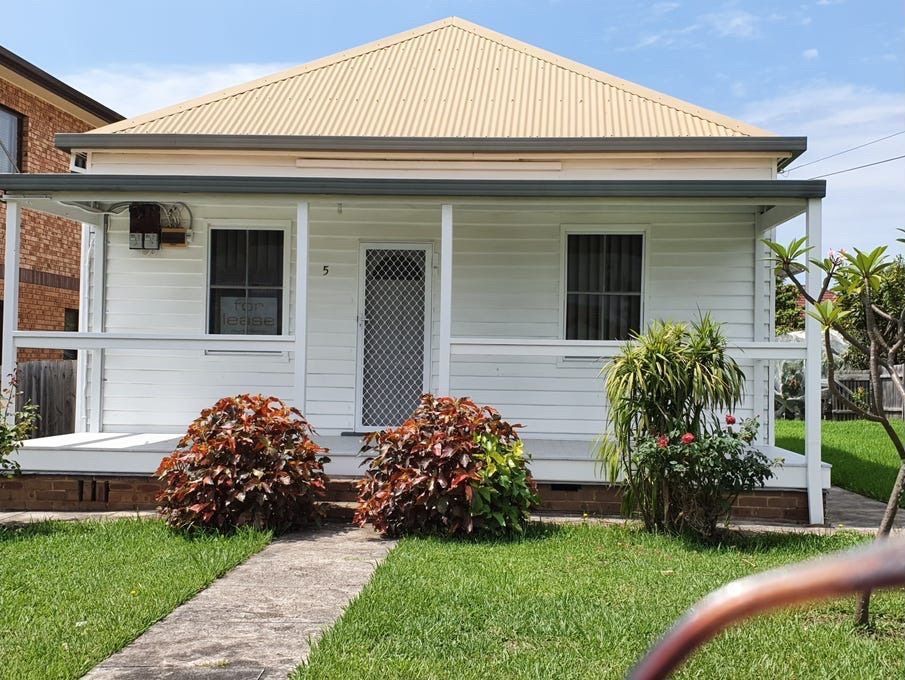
point(863, 458)
point(586, 601)
point(73, 593)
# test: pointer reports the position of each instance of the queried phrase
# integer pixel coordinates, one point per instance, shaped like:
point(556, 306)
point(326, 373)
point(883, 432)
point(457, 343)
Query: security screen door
point(393, 333)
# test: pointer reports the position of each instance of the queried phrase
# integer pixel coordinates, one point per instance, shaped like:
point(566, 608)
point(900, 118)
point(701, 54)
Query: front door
point(393, 333)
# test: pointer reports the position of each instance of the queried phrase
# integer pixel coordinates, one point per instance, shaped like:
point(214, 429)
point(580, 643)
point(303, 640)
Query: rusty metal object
point(881, 565)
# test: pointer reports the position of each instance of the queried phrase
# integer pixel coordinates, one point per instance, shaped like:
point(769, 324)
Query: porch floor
point(129, 453)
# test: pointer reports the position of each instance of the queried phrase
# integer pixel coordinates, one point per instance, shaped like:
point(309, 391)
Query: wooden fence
point(857, 386)
point(51, 385)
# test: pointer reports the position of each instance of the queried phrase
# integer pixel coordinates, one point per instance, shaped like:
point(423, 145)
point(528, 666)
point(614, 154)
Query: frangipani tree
point(859, 276)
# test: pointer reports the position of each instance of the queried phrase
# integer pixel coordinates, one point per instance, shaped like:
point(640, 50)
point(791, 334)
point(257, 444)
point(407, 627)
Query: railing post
point(11, 294)
point(812, 386)
point(301, 304)
point(446, 263)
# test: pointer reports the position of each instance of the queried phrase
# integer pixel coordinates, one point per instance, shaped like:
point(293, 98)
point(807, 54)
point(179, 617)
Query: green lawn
point(585, 601)
point(861, 454)
point(72, 593)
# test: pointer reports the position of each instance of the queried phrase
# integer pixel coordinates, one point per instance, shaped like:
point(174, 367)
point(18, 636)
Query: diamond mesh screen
point(393, 340)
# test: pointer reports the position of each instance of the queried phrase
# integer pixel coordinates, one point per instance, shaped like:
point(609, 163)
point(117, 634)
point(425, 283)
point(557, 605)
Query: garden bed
point(863, 458)
point(73, 593)
point(587, 601)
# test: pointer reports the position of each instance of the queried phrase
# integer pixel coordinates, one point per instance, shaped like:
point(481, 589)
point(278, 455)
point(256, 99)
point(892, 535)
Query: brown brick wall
point(772, 505)
point(50, 245)
point(70, 492)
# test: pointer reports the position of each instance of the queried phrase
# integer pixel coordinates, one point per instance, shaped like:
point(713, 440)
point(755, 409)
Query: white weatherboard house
point(445, 210)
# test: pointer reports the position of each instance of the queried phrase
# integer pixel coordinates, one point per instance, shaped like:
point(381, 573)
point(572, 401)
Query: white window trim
point(286, 226)
point(604, 230)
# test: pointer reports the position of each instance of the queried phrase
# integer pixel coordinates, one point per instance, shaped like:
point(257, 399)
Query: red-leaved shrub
point(453, 468)
point(247, 460)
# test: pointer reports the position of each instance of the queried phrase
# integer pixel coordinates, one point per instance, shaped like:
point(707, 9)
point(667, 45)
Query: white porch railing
point(761, 351)
point(176, 341)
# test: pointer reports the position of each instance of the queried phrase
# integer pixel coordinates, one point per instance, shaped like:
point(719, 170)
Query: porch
point(494, 307)
point(554, 461)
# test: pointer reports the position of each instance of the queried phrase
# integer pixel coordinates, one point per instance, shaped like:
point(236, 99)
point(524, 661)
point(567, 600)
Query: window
point(70, 325)
point(246, 282)
point(603, 286)
point(10, 137)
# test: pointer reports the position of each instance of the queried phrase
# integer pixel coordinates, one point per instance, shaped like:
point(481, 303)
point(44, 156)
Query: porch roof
point(26, 184)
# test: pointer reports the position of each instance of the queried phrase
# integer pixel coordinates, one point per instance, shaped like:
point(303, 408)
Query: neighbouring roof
point(447, 79)
point(43, 79)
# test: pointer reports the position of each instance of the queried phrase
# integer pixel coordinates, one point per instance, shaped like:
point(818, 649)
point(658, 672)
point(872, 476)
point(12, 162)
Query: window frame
point(567, 230)
point(250, 225)
point(20, 138)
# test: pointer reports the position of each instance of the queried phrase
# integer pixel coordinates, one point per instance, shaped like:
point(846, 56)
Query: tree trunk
point(862, 614)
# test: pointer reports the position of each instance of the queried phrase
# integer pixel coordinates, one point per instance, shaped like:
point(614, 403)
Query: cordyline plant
point(247, 460)
point(858, 276)
point(453, 468)
point(665, 390)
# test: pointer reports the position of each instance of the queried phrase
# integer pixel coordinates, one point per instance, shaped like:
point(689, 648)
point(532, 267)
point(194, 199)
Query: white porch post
point(11, 290)
point(81, 363)
point(301, 304)
point(446, 262)
point(814, 341)
point(98, 323)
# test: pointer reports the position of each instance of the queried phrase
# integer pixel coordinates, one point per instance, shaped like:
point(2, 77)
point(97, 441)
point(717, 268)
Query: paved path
point(30, 516)
point(258, 621)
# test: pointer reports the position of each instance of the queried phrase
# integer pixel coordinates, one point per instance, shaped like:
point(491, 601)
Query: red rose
point(662, 441)
point(730, 419)
point(687, 438)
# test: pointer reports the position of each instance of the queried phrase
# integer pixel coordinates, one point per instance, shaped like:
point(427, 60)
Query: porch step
point(339, 511)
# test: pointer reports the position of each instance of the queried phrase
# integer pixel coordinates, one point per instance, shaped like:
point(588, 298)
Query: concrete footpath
point(258, 621)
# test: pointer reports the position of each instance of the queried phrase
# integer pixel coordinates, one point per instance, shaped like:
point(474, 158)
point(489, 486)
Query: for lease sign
point(254, 315)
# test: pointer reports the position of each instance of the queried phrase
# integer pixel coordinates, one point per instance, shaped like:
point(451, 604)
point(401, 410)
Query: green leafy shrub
point(453, 468)
point(13, 434)
point(667, 384)
point(696, 479)
point(247, 460)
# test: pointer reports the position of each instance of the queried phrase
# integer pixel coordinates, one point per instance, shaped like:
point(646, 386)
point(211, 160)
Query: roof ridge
point(606, 78)
point(280, 76)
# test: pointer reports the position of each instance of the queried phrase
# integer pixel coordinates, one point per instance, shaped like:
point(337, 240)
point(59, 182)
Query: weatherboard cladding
point(447, 79)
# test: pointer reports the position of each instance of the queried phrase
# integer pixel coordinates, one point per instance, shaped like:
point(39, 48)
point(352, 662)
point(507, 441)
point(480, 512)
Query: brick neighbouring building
point(40, 106)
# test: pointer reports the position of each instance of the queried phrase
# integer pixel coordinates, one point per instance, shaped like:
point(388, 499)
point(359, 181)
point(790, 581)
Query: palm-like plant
point(671, 378)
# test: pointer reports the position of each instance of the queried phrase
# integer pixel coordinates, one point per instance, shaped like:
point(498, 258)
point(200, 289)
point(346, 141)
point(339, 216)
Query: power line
point(839, 153)
point(858, 167)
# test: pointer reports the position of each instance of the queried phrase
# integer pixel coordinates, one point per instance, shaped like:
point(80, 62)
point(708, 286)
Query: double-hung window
point(10, 140)
point(603, 285)
point(246, 281)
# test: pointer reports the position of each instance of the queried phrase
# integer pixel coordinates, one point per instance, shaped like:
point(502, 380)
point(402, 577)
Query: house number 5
point(326, 269)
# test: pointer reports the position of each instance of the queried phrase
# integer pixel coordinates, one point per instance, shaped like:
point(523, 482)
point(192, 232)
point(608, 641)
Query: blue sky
point(833, 70)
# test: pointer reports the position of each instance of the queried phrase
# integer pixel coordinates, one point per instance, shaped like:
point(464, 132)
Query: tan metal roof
point(450, 78)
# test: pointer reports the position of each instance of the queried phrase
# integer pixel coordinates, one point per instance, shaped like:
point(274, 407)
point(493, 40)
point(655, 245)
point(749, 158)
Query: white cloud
point(810, 54)
point(134, 89)
point(863, 208)
point(664, 7)
point(733, 23)
point(666, 38)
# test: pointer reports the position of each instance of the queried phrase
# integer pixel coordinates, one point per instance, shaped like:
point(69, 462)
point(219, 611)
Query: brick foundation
point(773, 505)
point(72, 493)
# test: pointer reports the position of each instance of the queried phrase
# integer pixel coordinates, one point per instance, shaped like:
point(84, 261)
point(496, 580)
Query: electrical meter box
point(144, 226)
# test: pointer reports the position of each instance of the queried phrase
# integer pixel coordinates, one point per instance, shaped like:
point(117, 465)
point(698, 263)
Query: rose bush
point(699, 478)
